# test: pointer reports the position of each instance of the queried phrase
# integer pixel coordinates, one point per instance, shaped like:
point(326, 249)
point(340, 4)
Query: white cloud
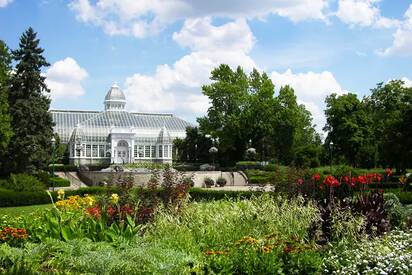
point(402, 42)
point(311, 89)
point(199, 35)
point(64, 79)
point(364, 13)
point(4, 3)
point(359, 12)
point(145, 17)
point(177, 88)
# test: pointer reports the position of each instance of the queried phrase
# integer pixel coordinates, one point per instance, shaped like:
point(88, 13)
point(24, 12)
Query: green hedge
point(58, 182)
point(12, 198)
point(72, 168)
point(244, 165)
point(63, 167)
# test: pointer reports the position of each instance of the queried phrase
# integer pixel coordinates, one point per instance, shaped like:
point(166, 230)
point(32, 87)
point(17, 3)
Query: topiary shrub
point(221, 181)
point(209, 182)
point(189, 181)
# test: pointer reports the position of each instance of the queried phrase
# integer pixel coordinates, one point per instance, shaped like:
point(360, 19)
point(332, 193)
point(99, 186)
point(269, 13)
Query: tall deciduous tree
point(350, 128)
point(244, 108)
point(5, 127)
point(32, 123)
point(391, 106)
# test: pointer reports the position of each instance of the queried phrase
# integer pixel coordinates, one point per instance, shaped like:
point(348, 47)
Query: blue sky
point(161, 52)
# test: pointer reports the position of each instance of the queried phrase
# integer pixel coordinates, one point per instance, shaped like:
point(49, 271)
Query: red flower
point(362, 180)
point(331, 181)
point(94, 212)
point(316, 177)
point(346, 179)
point(388, 172)
point(126, 210)
point(299, 181)
point(377, 177)
point(111, 211)
point(353, 181)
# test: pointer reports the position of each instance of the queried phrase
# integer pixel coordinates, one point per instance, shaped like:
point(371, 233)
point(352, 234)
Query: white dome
point(114, 99)
point(115, 94)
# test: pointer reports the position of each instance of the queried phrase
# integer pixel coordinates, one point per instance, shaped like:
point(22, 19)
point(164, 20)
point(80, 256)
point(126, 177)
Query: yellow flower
point(114, 198)
point(60, 194)
point(89, 200)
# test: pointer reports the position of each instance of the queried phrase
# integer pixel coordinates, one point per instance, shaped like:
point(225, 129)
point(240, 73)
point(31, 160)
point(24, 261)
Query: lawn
point(22, 210)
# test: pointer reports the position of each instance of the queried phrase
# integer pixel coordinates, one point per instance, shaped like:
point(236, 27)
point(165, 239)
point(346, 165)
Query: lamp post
point(53, 141)
point(331, 159)
point(213, 150)
point(250, 151)
point(79, 149)
point(196, 153)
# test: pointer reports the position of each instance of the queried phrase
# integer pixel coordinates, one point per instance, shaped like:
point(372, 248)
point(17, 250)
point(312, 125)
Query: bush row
point(58, 182)
point(72, 168)
point(12, 198)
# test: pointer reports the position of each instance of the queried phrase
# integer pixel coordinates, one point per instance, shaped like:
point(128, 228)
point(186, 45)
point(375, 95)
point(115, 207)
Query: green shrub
point(23, 182)
point(221, 181)
point(343, 170)
point(244, 165)
point(209, 182)
point(186, 167)
point(63, 167)
point(58, 182)
point(270, 167)
point(13, 198)
point(189, 181)
point(393, 208)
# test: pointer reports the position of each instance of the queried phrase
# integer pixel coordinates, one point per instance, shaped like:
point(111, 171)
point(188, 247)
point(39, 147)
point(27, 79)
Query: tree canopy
point(375, 130)
point(246, 108)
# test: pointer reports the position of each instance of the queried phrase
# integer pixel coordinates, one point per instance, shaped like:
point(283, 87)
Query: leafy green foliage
point(194, 148)
point(244, 108)
point(30, 149)
point(350, 128)
point(221, 181)
point(58, 182)
point(391, 107)
point(23, 182)
point(209, 182)
point(5, 120)
point(374, 130)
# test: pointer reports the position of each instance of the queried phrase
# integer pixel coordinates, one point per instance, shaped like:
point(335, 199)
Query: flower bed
point(128, 230)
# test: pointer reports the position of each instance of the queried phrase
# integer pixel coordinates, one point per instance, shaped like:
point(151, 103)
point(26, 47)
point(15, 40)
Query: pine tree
point(32, 124)
point(5, 127)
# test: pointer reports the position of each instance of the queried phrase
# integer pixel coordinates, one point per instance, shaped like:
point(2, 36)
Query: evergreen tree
point(5, 127)
point(30, 149)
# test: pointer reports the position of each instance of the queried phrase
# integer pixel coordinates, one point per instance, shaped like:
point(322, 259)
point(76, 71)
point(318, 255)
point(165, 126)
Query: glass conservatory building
point(117, 136)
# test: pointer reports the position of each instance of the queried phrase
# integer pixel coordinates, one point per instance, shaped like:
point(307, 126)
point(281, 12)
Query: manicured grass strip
point(22, 210)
